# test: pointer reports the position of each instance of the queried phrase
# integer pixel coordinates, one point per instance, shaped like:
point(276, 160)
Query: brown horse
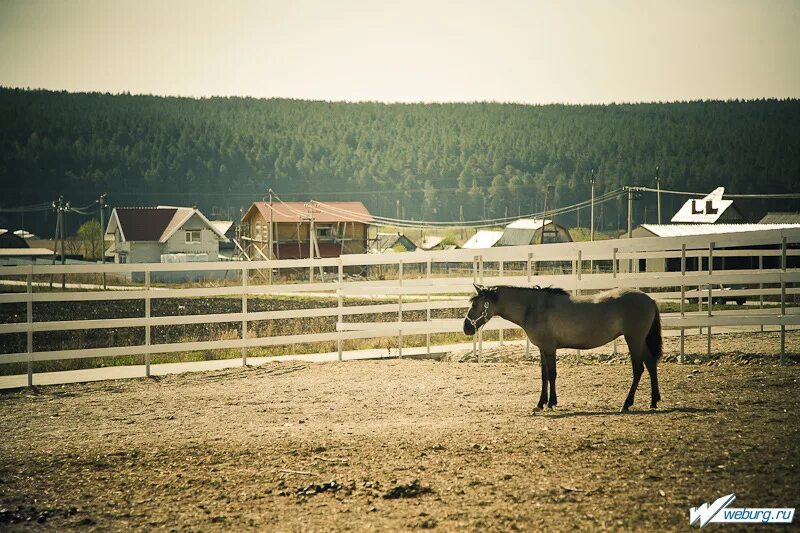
point(552, 319)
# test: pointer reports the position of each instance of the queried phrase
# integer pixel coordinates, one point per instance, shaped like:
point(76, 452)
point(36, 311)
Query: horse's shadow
point(648, 412)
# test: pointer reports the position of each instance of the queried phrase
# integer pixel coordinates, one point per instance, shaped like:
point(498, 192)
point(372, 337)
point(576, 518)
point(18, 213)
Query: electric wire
point(411, 224)
point(331, 209)
point(724, 195)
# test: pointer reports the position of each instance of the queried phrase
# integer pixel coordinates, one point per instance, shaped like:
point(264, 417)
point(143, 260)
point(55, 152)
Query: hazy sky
point(409, 50)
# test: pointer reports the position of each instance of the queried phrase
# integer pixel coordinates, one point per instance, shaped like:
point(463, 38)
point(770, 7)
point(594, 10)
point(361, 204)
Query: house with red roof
point(302, 230)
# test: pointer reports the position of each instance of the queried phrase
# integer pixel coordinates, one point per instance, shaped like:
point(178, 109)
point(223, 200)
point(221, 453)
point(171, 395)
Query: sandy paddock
point(399, 444)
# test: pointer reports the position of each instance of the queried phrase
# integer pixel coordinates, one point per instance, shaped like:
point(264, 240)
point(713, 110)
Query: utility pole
point(102, 204)
point(63, 208)
point(461, 219)
point(397, 204)
point(239, 233)
point(270, 228)
point(313, 247)
point(630, 222)
point(658, 194)
point(544, 215)
point(57, 209)
point(630, 211)
point(591, 214)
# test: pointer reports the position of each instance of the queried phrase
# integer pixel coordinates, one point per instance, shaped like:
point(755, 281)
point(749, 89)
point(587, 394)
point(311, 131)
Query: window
point(123, 258)
point(193, 236)
point(258, 232)
point(325, 232)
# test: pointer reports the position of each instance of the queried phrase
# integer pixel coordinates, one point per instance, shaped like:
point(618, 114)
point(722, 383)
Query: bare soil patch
point(399, 444)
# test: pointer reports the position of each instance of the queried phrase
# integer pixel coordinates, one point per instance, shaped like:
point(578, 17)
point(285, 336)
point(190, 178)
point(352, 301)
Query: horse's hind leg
point(543, 395)
point(651, 364)
point(551, 376)
point(638, 370)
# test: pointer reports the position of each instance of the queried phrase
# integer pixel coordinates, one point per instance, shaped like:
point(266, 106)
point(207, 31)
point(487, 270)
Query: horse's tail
point(654, 341)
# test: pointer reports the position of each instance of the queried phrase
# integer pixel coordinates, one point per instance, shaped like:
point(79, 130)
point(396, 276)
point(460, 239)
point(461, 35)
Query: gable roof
point(222, 225)
point(154, 224)
point(325, 212)
point(431, 241)
point(524, 231)
point(384, 242)
point(780, 218)
point(529, 223)
point(483, 239)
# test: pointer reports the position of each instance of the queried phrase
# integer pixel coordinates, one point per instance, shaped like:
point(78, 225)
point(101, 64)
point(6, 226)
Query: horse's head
point(482, 309)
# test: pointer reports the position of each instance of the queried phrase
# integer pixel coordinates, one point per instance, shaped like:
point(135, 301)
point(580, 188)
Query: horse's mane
point(551, 290)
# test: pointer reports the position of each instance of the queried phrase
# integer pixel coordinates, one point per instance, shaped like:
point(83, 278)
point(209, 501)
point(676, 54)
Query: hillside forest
point(412, 161)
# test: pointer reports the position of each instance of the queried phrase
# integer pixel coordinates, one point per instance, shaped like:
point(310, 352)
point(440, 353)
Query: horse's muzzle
point(469, 329)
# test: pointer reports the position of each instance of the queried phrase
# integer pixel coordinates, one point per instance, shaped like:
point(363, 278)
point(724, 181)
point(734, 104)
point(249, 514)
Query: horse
point(553, 319)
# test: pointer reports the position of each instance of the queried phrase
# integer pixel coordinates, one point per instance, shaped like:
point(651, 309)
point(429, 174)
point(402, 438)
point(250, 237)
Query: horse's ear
point(478, 288)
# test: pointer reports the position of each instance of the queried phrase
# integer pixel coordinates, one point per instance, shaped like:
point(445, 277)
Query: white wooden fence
point(427, 291)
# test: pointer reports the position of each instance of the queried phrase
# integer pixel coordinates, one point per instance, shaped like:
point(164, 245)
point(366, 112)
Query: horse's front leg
point(543, 395)
point(551, 377)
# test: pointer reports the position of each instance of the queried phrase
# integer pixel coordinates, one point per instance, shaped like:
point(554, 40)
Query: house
point(483, 239)
point(15, 250)
point(162, 234)
point(392, 242)
point(533, 231)
point(339, 228)
point(687, 230)
point(711, 209)
point(10, 239)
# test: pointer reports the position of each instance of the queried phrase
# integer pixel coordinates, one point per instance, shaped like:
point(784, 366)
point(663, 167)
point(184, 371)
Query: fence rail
point(421, 290)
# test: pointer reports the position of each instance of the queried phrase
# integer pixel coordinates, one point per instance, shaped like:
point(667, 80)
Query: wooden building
point(338, 228)
point(533, 231)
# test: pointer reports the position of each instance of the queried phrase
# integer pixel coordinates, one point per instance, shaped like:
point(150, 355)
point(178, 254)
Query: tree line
point(421, 161)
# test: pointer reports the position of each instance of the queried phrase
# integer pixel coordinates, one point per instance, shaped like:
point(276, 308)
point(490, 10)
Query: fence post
point(614, 275)
point(699, 292)
point(527, 340)
point(682, 358)
point(579, 265)
point(30, 326)
point(428, 310)
point(783, 300)
point(245, 282)
point(400, 309)
point(710, 287)
point(340, 304)
point(480, 331)
point(147, 322)
point(475, 280)
point(500, 274)
point(614, 263)
point(761, 288)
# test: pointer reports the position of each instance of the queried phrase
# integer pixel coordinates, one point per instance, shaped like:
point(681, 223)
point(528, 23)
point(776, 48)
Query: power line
point(687, 193)
point(412, 224)
point(26, 208)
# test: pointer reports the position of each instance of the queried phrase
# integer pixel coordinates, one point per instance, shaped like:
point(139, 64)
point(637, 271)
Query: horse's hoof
point(653, 406)
point(540, 407)
point(625, 409)
point(551, 405)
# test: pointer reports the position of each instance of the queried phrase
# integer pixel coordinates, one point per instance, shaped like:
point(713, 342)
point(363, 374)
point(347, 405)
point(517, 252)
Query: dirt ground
point(401, 444)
